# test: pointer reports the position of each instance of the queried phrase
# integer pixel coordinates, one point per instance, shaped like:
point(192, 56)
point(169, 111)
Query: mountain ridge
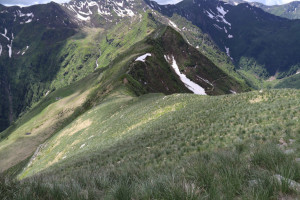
point(240, 30)
point(104, 102)
point(57, 25)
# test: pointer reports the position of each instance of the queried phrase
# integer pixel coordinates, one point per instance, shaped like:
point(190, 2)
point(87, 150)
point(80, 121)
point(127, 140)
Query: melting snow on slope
point(298, 72)
point(233, 92)
point(25, 50)
point(221, 15)
point(4, 34)
point(20, 14)
point(83, 9)
point(0, 49)
point(83, 18)
point(143, 57)
point(222, 11)
point(10, 46)
point(228, 52)
point(194, 87)
point(97, 64)
point(173, 24)
point(28, 21)
point(210, 15)
point(9, 49)
point(28, 16)
point(47, 93)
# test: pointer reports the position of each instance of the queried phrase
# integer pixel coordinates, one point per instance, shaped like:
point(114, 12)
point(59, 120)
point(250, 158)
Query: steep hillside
point(106, 93)
point(154, 73)
point(64, 44)
point(256, 41)
point(44, 47)
point(289, 82)
point(153, 147)
point(30, 38)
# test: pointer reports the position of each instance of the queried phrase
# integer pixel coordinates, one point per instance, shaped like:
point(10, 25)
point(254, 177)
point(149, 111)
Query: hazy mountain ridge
point(289, 10)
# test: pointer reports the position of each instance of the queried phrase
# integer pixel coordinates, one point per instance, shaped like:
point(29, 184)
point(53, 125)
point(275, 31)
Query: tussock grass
point(220, 174)
point(221, 147)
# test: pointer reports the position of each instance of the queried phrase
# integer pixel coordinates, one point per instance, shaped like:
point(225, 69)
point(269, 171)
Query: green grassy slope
point(289, 82)
point(156, 145)
point(256, 82)
point(169, 121)
point(62, 106)
point(152, 146)
point(55, 60)
point(79, 55)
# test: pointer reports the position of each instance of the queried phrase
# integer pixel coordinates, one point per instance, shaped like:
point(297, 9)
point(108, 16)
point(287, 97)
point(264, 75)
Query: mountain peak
point(85, 11)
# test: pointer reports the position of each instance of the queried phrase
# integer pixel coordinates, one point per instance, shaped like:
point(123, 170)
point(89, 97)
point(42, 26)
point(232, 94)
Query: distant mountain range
point(289, 10)
point(271, 2)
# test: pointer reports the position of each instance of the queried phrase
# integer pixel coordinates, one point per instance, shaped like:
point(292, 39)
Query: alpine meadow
point(130, 99)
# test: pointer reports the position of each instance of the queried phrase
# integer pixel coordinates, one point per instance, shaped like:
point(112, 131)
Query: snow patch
point(194, 87)
point(25, 50)
point(97, 64)
point(221, 10)
point(4, 34)
point(27, 17)
point(10, 49)
point(0, 49)
point(143, 57)
point(210, 15)
point(228, 52)
point(82, 18)
point(28, 21)
point(47, 93)
point(173, 24)
point(82, 146)
point(220, 17)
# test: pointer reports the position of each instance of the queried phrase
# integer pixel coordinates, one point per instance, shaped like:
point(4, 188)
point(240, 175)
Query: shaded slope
point(30, 37)
point(156, 75)
point(50, 51)
point(252, 37)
